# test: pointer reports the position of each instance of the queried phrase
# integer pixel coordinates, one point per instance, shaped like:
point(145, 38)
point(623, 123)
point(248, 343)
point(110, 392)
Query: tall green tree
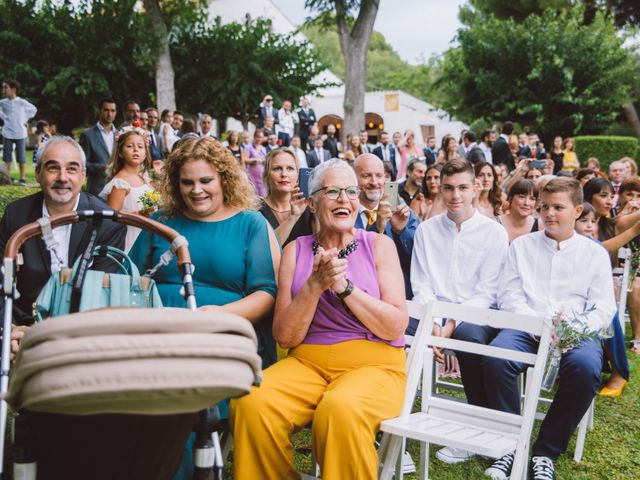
point(624, 13)
point(552, 72)
point(227, 69)
point(70, 54)
point(165, 18)
point(354, 19)
point(386, 70)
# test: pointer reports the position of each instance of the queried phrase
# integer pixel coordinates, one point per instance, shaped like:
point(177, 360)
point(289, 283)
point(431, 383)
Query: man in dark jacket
point(60, 173)
point(500, 152)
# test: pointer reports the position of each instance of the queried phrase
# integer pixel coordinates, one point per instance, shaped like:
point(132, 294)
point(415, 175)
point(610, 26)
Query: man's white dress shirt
point(458, 266)
point(16, 113)
point(62, 236)
point(540, 279)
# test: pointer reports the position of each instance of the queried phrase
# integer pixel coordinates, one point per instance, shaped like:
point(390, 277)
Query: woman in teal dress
point(211, 202)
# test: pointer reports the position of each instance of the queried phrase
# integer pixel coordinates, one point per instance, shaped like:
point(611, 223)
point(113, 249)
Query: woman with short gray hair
point(344, 326)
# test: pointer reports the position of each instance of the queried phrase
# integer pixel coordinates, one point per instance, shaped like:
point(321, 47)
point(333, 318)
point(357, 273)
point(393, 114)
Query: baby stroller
point(123, 389)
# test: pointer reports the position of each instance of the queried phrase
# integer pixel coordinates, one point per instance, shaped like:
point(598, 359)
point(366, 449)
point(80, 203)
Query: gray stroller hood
point(134, 361)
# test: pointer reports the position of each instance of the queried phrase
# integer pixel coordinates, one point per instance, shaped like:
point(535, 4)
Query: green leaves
point(550, 73)
point(68, 55)
point(227, 69)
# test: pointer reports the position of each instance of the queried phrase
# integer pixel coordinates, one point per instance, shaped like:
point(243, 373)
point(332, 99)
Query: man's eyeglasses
point(269, 100)
point(333, 193)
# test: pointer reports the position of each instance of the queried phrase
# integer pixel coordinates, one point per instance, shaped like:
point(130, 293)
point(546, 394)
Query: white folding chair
point(444, 421)
point(624, 255)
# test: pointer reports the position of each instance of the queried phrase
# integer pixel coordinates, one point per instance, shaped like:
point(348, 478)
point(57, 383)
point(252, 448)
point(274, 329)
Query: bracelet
point(347, 291)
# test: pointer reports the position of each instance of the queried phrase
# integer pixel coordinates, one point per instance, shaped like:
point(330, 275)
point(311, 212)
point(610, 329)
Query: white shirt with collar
point(286, 122)
point(541, 279)
point(16, 113)
point(458, 266)
point(488, 156)
point(362, 212)
point(108, 137)
point(62, 236)
point(302, 158)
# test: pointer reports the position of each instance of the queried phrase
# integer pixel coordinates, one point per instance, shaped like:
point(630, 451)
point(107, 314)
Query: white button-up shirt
point(285, 122)
point(458, 266)
point(108, 137)
point(540, 279)
point(62, 235)
point(15, 114)
point(302, 158)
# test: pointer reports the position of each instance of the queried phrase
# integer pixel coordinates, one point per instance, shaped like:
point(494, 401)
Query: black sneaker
point(501, 468)
point(542, 469)
point(22, 182)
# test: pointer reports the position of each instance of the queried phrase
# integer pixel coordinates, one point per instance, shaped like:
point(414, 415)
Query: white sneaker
point(407, 464)
point(453, 455)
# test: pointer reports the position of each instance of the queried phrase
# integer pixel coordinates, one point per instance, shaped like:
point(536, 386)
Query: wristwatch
point(347, 291)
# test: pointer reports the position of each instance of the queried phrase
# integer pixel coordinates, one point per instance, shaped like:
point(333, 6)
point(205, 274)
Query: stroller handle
point(30, 230)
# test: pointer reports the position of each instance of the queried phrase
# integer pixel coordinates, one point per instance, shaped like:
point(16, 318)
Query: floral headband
point(135, 127)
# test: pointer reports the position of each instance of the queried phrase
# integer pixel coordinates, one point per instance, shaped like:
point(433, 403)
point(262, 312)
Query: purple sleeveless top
point(333, 322)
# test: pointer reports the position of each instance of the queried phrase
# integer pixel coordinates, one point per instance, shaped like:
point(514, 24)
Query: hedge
point(606, 149)
point(10, 193)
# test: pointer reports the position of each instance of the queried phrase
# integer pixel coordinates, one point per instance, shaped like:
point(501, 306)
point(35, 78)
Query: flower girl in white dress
point(128, 168)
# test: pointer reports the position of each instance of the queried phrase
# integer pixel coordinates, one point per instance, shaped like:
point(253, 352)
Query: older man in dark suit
point(60, 173)
point(97, 143)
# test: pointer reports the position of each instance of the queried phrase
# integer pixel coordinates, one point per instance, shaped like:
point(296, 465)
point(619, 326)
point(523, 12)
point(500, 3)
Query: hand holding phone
point(303, 181)
point(391, 190)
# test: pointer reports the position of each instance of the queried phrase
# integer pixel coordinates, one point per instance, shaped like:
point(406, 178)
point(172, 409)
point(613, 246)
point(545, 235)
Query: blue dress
point(232, 260)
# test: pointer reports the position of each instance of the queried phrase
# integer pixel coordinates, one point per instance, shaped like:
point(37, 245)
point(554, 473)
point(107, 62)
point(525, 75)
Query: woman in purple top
point(344, 326)
point(255, 162)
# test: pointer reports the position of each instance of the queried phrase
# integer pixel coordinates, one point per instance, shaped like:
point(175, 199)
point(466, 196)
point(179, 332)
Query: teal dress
point(232, 260)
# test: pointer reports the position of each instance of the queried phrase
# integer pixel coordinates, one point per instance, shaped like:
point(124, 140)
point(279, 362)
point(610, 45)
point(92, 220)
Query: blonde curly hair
point(237, 190)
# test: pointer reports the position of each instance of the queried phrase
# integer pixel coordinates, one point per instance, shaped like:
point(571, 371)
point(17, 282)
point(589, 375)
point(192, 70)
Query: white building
point(391, 111)
point(384, 110)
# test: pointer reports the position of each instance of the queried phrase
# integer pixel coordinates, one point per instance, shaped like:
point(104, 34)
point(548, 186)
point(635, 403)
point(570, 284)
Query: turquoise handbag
point(99, 290)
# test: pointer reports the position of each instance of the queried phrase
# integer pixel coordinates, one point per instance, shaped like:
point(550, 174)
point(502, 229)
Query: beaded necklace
point(350, 248)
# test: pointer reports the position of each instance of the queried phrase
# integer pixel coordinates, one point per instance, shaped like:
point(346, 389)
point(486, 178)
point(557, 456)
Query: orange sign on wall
point(391, 102)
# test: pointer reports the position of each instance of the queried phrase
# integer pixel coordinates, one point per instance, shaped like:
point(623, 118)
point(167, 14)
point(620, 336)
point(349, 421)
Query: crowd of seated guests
point(493, 234)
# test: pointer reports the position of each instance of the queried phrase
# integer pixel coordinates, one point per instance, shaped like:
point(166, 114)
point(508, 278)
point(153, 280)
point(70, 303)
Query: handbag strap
point(50, 242)
point(111, 253)
point(167, 256)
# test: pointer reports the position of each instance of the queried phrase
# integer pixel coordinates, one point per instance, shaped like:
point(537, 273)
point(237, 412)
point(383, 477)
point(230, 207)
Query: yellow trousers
point(345, 389)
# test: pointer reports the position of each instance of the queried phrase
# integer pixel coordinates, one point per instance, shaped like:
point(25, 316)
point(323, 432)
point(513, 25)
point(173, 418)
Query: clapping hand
point(298, 202)
point(328, 270)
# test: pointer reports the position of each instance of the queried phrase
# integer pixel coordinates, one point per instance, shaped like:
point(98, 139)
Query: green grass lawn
point(30, 175)
point(612, 448)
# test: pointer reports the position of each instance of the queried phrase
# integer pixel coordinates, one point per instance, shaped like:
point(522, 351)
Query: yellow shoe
point(611, 392)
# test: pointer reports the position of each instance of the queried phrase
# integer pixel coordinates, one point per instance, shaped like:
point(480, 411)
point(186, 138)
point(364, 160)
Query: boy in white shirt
point(15, 112)
point(458, 257)
point(547, 272)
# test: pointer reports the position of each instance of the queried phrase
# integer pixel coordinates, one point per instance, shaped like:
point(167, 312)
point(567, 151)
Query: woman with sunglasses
point(344, 326)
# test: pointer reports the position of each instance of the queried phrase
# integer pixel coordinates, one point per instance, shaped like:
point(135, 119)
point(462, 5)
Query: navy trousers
point(493, 382)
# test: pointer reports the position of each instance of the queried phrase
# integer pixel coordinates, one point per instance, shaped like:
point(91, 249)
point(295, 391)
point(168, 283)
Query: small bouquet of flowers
point(150, 201)
point(569, 331)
